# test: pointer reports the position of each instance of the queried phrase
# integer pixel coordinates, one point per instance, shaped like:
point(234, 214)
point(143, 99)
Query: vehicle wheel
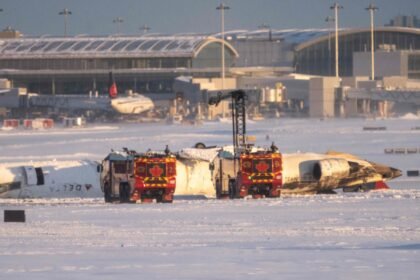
point(124, 192)
point(218, 189)
point(274, 194)
point(167, 198)
point(232, 188)
point(107, 193)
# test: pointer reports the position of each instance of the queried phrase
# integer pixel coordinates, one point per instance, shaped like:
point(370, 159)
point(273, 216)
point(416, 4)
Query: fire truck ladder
point(238, 127)
point(238, 119)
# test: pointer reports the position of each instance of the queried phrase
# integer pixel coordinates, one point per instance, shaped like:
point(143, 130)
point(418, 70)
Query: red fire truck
point(260, 175)
point(154, 178)
point(131, 177)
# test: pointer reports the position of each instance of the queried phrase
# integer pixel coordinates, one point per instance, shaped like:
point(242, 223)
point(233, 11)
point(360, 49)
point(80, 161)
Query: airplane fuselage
point(301, 173)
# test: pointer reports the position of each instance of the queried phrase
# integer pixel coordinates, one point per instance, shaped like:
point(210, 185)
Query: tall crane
point(260, 173)
point(238, 117)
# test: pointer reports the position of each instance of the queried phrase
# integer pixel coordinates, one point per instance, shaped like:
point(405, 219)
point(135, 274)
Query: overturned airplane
point(208, 172)
point(300, 173)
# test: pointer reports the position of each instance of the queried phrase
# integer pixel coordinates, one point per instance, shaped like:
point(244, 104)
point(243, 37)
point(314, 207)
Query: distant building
point(151, 63)
point(316, 56)
point(404, 21)
point(388, 63)
point(9, 33)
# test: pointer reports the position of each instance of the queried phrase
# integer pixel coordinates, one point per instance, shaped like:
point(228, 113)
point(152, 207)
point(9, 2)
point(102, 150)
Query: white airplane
point(301, 172)
point(50, 179)
point(130, 104)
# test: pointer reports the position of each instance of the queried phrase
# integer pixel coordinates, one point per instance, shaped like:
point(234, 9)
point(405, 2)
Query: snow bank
point(410, 116)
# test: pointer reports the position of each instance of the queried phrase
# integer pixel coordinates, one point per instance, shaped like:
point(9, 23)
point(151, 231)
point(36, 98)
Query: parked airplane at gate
point(20, 100)
point(131, 104)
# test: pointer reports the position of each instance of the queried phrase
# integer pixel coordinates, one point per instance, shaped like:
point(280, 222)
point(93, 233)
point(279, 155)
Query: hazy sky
point(38, 17)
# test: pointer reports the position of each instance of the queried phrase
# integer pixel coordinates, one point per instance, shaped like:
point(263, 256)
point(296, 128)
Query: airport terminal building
point(81, 64)
point(150, 63)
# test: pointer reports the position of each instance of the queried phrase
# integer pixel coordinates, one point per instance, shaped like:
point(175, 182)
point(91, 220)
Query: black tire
point(218, 189)
point(271, 194)
point(107, 193)
point(200, 145)
point(124, 192)
point(232, 188)
point(165, 198)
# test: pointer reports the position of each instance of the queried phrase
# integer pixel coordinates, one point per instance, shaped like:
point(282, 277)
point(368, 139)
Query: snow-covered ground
point(372, 235)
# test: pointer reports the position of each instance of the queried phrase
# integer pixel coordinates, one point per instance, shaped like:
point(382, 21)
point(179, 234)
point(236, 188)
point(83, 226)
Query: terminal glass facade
point(414, 65)
point(81, 65)
point(318, 58)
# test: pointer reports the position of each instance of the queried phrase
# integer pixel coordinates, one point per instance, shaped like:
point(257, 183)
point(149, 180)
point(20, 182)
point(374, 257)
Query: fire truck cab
point(260, 174)
point(257, 174)
point(115, 179)
point(154, 177)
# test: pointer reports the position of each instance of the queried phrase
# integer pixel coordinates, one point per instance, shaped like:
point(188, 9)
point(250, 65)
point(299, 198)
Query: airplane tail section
point(112, 87)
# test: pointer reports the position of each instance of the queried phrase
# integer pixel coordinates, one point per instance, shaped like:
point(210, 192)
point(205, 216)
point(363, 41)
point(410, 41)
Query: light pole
point(222, 7)
point(266, 26)
point(328, 20)
point(65, 12)
point(118, 21)
point(372, 9)
point(145, 28)
point(335, 7)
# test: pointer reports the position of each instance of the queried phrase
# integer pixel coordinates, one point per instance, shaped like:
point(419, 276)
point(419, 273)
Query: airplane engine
point(330, 171)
